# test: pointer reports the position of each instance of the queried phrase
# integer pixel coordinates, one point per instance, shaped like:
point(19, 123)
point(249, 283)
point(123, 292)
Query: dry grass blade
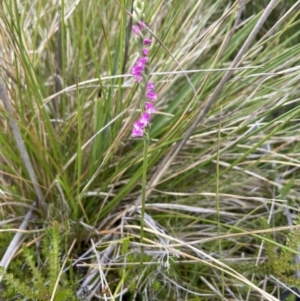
point(16, 241)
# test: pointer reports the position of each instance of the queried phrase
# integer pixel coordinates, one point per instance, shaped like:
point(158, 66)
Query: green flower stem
point(144, 184)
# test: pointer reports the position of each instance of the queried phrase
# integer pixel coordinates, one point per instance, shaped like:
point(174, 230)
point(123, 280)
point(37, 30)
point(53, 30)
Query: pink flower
point(141, 24)
point(139, 67)
point(143, 61)
point(137, 132)
point(144, 120)
point(136, 30)
point(137, 72)
point(150, 108)
point(147, 41)
point(138, 126)
point(150, 86)
point(145, 51)
point(151, 95)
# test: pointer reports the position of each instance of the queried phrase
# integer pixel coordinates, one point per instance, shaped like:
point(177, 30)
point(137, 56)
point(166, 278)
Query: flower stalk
point(140, 72)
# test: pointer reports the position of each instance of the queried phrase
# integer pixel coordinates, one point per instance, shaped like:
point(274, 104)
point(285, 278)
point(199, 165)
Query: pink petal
point(141, 24)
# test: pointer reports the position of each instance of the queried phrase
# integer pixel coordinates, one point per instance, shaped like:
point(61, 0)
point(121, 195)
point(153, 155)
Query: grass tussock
point(208, 210)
